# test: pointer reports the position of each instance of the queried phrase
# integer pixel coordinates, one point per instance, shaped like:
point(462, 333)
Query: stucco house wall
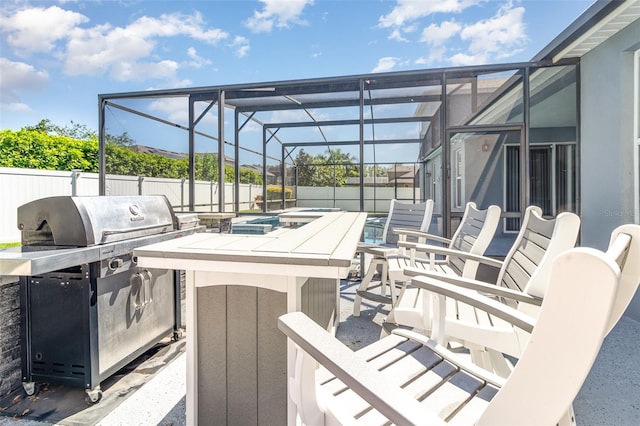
point(606, 152)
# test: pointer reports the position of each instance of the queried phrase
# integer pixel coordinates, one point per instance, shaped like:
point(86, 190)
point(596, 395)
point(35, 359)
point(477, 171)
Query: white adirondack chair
point(406, 378)
point(522, 279)
point(474, 234)
point(402, 216)
point(493, 337)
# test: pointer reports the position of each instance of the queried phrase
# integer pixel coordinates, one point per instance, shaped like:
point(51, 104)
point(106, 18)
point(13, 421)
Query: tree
point(250, 176)
point(328, 169)
point(305, 168)
point(123, 140)
point(376, 170)
point(74, 130)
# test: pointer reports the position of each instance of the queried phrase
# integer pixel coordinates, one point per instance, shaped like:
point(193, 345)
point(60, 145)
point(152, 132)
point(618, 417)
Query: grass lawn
point(5, 245)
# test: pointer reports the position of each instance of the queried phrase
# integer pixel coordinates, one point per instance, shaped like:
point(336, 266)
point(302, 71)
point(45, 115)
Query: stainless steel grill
point(87, 309)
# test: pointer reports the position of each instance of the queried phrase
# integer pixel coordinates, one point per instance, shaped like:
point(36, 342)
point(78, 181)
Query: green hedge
point(274, 192)
point(35, 149)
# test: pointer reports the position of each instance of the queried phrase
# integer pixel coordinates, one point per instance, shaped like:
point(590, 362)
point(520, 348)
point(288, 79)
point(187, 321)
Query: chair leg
point(480, 357)
point(364, 284)
point(303, 389)
point(569, 418)
point(384, 281)
point(501, 366)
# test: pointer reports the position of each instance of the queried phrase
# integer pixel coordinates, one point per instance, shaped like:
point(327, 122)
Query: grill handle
point(141, 294)
point(107, 233)
point(147, 286)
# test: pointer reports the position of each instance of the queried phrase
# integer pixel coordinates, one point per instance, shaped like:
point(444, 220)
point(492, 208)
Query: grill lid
point(90, 220)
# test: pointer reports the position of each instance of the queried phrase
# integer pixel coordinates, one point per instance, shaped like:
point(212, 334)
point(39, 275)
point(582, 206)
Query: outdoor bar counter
point(237, 287)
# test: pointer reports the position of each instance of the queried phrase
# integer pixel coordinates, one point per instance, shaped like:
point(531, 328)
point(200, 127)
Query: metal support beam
point(221, 159)
point(283, 170)
point(102, 162)
point(525, 167)
point(264, 169)
point(354, 142)
point(361, 151)
point(236, 154)
point(446, 162)
point(192, 154)
point(578, 205)
point(388, 120)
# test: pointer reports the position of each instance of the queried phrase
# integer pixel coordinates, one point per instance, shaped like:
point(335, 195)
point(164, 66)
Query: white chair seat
point(405, 216)
point(523, 273)
point(406, 378)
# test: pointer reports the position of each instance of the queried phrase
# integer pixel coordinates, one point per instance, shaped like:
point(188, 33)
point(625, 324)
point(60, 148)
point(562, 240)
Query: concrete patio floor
point(152, 391)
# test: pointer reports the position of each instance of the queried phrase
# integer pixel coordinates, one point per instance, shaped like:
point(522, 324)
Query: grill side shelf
point(17, 261)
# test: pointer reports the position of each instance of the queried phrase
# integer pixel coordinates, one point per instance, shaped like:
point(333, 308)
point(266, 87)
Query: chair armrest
point(351, 368)
point(477, 300)
point(428, 248)
point(476, 285)
point(420, 234)
point(379, 250)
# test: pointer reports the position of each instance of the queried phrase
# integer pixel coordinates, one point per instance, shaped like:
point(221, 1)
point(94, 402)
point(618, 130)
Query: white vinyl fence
point(348, 197)
point(19, 186)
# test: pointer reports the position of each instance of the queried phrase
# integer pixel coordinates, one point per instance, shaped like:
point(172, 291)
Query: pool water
point(373, 229)
point(256, 226)
point(261, 225)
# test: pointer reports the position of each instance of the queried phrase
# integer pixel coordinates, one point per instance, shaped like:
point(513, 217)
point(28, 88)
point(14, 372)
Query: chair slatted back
point(406, 215)
point(473, 235)
point(528, 264)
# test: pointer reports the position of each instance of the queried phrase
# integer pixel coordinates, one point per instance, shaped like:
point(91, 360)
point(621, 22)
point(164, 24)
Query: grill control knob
point(115, 263)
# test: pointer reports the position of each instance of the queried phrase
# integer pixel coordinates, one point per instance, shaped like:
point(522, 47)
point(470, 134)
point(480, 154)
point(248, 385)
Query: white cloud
point(484, 41)
point(241, 46)
point(123, 52)
point(173, 109)
point(288, 116)
point(17, 76)
point(123, 49)
point(404, 16)
point(173, 84)
point(295, 115)
point(279, 13)
point(37, 29)
point(176, 110)
point(410, 10)
point(397, 35)
point(197, 61)
point(500, 35)
point(174, 24)
point(140, 71)
point(461, 59)
point(437, 35)
point(15, 107)
point(385, 64)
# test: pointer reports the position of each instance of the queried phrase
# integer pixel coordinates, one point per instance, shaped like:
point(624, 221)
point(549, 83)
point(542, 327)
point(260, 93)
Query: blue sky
point(57, 56)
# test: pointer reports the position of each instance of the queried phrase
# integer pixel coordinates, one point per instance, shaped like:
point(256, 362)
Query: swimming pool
point(373, 229)
point(261, 225)
point(257, 226)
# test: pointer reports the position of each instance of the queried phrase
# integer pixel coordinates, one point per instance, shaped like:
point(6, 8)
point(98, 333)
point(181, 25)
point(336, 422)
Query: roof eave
point(583, 24)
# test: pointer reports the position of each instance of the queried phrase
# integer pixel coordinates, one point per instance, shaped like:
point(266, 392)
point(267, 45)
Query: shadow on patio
point(151, 390)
